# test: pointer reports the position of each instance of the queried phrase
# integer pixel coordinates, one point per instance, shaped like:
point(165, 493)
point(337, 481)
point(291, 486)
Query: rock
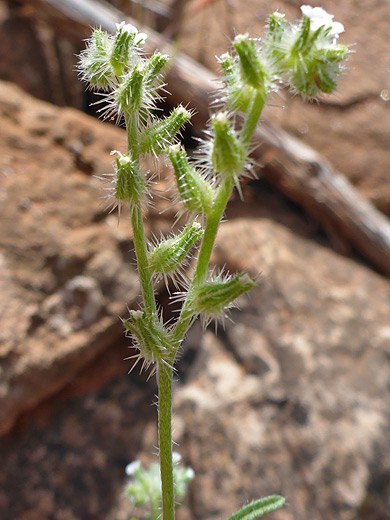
point(66, 272)
point(66, 459)
point(292, 397)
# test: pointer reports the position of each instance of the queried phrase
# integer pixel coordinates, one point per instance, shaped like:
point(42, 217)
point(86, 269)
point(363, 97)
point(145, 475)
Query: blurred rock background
point(292, 397)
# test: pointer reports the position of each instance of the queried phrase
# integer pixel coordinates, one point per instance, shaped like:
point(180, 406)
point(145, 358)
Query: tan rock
point(65, 270)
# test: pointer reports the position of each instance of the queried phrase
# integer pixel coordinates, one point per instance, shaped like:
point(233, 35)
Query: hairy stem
point(165, 374)
point(143, 261)
point(137, 224)
point(210, 233)
point(253, 114)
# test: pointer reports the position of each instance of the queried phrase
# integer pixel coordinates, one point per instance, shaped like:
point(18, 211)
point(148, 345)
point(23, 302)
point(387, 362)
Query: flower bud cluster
point(306, 55)
point(168, 256)
point(107, 57)
point(213, 297)
point(150, 336)
point(246, 71)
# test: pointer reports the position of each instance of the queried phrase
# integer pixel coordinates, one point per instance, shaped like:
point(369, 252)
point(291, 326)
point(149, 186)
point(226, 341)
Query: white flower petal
point(176, 457)
point(190, 473)
point(126, 27)
point(132, 467)
point(320, 18)
point(140, 38)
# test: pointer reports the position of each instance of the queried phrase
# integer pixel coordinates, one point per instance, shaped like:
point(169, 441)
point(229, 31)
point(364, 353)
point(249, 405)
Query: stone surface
point(66, 272)
point(66, 459)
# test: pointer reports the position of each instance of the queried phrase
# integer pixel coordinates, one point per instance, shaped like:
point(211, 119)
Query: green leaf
point(259, 508)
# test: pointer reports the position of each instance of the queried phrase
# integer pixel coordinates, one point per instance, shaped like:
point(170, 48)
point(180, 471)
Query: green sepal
point(252, 70)
point(94, 63)
point(151, 337)
point(212, 297)
point(158, 136)
point(259, 508)
point(123, 44)
point(168, 256)
point(130, 184)
point(196, 192)
point(303, 41)
point(129, 97)
point(228, 153)
point(276, 26)
point(318, 71)
point(238, 96)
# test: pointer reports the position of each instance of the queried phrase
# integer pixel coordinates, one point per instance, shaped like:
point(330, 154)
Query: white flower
point(277, 15)
point(127, 27)
point(132, 467)
point(320, 18)
point(190, 473)
point(176, 457)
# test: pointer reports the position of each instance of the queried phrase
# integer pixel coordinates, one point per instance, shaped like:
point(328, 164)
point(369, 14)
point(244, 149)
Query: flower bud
point(158, 136)
point(94, 63)
point(195, 190)
point(212, 297)
point(130, 184)
point(150, 337)
point(168, 256)
point(153, 67)
point(252, 70)
point(130, 95)
point(228, 155)
point(237, 95)
point(276, 26)
point(315, 58)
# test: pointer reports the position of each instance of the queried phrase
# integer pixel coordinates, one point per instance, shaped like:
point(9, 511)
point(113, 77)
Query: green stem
point(253, 115)
point(132, 136)
point(142, 260)
point(137, 224)
point(213, 220)
point(165, 374)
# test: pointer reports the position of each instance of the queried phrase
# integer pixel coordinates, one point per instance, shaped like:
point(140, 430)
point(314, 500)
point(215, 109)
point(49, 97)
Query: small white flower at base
point(176, 457)
point(127, 27)
point(320, 18)
point(123, 159)
point(190, 473)
point(132, 467)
